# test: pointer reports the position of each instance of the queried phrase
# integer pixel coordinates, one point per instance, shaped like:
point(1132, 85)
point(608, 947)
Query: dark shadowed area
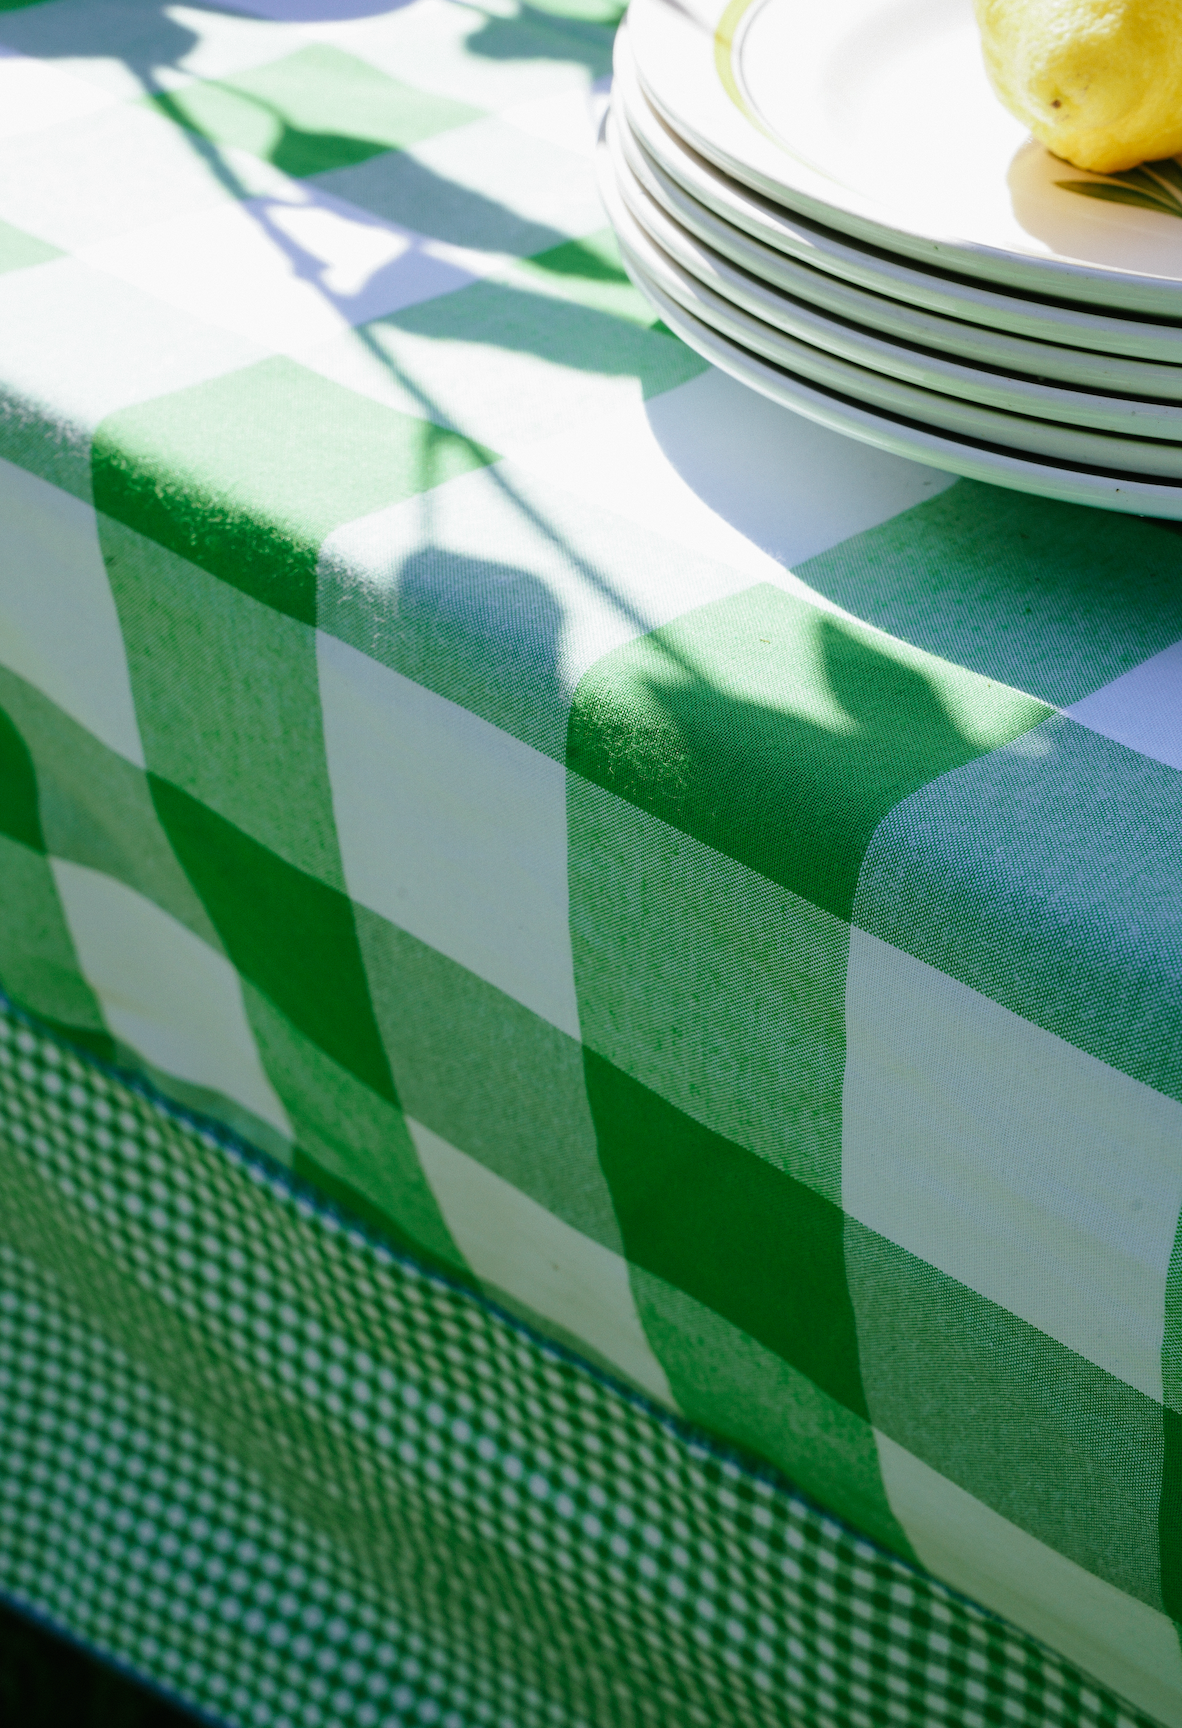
point(45, 1683)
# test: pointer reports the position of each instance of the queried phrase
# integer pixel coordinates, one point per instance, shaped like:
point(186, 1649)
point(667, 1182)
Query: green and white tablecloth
point(713, 888)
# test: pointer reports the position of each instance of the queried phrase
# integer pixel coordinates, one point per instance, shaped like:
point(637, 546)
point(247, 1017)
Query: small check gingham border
point(291, 1478)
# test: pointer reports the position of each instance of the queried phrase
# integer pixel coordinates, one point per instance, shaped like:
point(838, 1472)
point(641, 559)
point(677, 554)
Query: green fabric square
point(714, 987)
point(1057, 599)
point(247, 474)
point(1170, 1510)
point(757, 1247)
point(19, 816)
point(722, 1378)
point(318, 108)
point(227, 698)
point(1047, 876)
point(589, 272)
point(487, 1076)
point(289, 934)
point(96, 809)
point(350, 1143)
point(1027, 1426)
point(780, 734)
point(19, 250)
point(1169, 1529)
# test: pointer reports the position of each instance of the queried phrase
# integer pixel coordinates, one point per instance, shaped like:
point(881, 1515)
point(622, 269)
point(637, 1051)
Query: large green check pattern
point(715, 888)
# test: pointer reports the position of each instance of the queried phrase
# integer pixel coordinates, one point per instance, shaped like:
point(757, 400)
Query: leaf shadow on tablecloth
point(1051, 598)
point(572, 31)
point(397, 188)
point(407, 192)
point(1055, 599)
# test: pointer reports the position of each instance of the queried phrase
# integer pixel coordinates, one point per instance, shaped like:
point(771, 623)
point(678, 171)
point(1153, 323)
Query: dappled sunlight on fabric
point(322, 266)
point(285, 274)
point(781, 735)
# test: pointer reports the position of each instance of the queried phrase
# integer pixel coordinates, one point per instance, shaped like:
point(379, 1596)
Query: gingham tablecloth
point(709, 886)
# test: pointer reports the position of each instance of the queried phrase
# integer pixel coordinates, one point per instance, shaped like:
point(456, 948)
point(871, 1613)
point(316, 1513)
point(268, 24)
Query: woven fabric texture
point(350, 1492)
point(709, 886)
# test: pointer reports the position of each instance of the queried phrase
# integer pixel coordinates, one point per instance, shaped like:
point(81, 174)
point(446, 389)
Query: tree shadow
point(380, 179)
point(383, 182)
point(400, 189)
point(380, 183)
point(315, 11)
point(580, 34)
point(1054, 598)
point(789, 761)
point(406, 192)
point(483, 632)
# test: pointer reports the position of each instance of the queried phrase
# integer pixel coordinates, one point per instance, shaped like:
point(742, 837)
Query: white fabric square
point(1029, 1171)
point(79, 346)
point(126, 347)
point(451, 829)
point(515, 1246)
point(35, 95)
point(288, 271)
point(164, 991)
point(1142, 709)
point(1121, 1642)
point(716, 468)
point(109, 172)
point(568, 119)
point(59, 630)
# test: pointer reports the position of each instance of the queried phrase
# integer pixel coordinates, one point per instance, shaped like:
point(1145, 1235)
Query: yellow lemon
point(1099, 82)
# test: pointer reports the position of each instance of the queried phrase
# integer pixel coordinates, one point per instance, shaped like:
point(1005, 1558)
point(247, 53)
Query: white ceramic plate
point(1075, 355)
point(848, 337)
point(1135, 494)
point(945, 413)
point(876, 118)
point(713, 194)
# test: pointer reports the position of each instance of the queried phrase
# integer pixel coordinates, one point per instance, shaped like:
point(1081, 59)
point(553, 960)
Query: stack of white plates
point(829, 202)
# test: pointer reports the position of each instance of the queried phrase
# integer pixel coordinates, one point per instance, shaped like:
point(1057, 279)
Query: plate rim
point(1156, 381)
point(738, 144)
point(1127, 494)
point(978, 303)
point(982, 424)
point(1059, 398)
